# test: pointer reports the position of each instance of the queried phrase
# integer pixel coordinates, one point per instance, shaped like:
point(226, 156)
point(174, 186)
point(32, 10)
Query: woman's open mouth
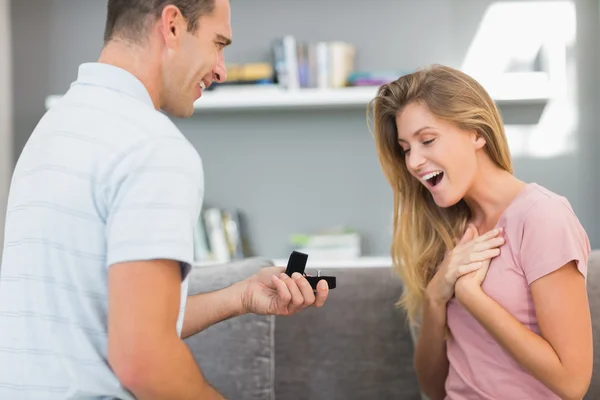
point(434, 178)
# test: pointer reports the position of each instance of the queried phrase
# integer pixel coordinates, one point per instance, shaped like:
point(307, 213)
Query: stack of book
point(312, 65)
point(218, 236)
point(248, 74)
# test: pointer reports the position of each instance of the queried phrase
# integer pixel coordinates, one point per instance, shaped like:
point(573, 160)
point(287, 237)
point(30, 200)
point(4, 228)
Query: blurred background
point(289, 160)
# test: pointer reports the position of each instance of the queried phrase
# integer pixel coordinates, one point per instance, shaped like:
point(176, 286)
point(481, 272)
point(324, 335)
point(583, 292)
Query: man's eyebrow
point(223, 38)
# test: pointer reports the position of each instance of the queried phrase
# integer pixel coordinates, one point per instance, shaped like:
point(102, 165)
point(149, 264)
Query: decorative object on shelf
point(332, 244)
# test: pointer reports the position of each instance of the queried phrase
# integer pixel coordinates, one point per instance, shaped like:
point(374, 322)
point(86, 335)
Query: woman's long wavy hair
point(424, 232)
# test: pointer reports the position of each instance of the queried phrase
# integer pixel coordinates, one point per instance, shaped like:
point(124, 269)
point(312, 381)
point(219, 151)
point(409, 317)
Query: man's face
point(195, 59)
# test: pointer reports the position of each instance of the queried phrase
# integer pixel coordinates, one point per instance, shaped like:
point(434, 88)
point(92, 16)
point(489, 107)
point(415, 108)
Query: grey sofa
point(358, 346)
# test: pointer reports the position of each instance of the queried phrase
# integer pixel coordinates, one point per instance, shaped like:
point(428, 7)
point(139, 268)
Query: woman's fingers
point(467, 268)
point(483, 255)
point(489, 235)
point(489, 244)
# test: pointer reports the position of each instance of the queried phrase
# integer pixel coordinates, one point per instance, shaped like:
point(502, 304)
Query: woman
point(494, 268)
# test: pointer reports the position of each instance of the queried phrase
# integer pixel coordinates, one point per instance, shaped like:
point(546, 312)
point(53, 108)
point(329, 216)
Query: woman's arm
point(472, 253)
point(430, 359)
point(561, 358)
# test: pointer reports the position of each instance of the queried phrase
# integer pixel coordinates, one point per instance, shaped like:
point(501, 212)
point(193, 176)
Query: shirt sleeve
point(154, 196)
point(552, 237)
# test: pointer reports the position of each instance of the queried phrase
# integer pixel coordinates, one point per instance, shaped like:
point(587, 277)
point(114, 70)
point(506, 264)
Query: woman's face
point(438, 154)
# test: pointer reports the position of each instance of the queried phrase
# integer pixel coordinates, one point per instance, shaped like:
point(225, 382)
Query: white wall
point(6, 132)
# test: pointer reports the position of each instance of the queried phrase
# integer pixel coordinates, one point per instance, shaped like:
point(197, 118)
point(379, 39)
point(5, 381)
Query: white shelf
point(276, 98)
point(272, 97)
point(528, 88)
point(361, 262)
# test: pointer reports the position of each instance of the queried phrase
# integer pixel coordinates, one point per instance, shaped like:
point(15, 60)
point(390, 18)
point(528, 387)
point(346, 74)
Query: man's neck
point(139, 61)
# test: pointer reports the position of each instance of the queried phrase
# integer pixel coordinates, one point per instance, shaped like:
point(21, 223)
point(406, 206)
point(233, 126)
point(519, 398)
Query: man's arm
point(144, 350)
point(206, 309)
point(269, 292)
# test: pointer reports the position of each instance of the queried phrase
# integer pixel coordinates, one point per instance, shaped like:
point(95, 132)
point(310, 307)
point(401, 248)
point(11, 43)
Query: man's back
point(104, 178)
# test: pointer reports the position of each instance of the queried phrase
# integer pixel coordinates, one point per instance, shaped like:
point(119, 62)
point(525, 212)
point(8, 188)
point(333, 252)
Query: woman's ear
point(479, 141)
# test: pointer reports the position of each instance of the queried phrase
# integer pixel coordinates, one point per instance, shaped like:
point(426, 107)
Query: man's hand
point(271, 291)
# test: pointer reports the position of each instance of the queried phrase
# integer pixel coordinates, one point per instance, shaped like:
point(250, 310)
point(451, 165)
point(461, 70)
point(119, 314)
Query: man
point(99, 224)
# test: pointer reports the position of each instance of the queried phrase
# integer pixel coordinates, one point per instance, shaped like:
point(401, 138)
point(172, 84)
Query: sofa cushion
point(236, 356)
point(357, 346)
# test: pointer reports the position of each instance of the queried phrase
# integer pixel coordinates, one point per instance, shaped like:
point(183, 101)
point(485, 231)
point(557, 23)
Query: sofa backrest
point(236, 356)
point(358, 346)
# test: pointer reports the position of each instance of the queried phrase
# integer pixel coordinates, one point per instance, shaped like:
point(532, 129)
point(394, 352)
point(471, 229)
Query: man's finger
point(322, 293)
point(297, 298)
point(282, 290)
point(306, 290)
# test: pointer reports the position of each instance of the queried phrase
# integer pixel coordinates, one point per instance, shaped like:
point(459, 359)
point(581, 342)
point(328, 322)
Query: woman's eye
point(405, 151)
point(428, 142)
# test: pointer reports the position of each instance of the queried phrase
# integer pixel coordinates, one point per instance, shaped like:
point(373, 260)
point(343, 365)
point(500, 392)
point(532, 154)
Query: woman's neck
point(492, 192)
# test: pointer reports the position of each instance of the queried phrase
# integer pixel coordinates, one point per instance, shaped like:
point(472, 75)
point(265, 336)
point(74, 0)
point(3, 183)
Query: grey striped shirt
point(104, 178)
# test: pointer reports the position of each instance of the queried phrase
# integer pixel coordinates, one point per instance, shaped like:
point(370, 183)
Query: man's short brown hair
point(128, 18)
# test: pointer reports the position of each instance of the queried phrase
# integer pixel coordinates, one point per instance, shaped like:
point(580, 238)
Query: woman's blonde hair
point(424, 232)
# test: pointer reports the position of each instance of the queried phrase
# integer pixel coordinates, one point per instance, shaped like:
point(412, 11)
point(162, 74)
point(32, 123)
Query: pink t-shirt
point(542, 234)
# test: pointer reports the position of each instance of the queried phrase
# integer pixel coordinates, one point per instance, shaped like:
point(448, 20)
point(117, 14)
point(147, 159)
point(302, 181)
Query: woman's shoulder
point(546, 233)
point(538, 202)
point(541, 212)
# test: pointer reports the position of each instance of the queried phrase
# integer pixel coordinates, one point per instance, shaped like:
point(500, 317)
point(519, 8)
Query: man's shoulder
point(118, 120)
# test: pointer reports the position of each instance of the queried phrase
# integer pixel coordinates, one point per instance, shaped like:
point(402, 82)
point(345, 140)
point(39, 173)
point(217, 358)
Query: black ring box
point(297, 263)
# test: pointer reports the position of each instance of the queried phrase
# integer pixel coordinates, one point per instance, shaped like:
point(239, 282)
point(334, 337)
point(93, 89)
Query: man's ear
point(171, 25)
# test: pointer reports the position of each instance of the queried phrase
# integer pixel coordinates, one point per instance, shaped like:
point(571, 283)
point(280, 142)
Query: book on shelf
point(218, 236)
point(321, 65)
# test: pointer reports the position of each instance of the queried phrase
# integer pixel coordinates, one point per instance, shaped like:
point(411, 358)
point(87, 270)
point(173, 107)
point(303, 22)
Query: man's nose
point(220, 71)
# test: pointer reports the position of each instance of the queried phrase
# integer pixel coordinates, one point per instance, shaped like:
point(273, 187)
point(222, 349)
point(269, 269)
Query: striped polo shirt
point(104, 178)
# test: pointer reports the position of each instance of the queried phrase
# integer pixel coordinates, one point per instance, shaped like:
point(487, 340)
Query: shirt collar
point(113, 78)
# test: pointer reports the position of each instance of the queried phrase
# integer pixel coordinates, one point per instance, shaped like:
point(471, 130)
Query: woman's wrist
point(434, 301)
point(467, 293)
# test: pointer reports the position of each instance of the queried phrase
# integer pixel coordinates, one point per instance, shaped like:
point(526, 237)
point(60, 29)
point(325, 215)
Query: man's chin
point(180, 112)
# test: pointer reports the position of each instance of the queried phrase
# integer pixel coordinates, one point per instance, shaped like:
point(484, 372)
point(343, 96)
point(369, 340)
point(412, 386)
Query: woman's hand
point(472, 253)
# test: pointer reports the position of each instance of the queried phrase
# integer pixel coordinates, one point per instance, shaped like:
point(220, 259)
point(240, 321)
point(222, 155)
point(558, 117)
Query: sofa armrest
point(236, 356)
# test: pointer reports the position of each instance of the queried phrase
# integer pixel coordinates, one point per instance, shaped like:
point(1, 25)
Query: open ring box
point(297, 263)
